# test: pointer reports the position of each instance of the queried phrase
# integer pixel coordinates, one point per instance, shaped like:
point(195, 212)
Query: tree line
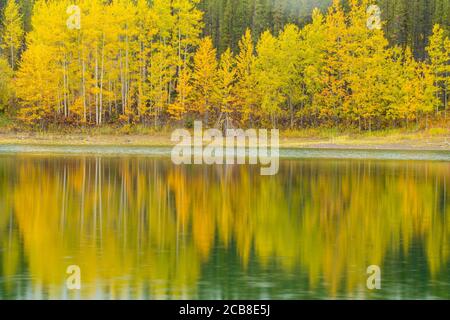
point(407, 22)
point(134, 62)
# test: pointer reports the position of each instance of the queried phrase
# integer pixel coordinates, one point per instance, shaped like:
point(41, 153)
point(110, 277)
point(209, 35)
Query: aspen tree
point(226, 82)
point(12, 34)
point(439, 56)
point(6, 74)
point(204, 77)
point(244, 89)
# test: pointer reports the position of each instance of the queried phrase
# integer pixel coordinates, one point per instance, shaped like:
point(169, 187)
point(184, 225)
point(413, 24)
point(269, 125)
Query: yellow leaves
point(177, 110)
point(37, 82)
point(12, 32)
point(184, 90)
point(439, 55)
point(226, 81)
point(204, 77)
point(78, 109)
point(115, 219)
point(6, 86)
point(124, 60)
point(244, 89)
point(144, 61)
point(31, 115)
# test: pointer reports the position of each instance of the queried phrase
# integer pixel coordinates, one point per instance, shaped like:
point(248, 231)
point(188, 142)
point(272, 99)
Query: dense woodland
point(281, 63)
point(408, 22)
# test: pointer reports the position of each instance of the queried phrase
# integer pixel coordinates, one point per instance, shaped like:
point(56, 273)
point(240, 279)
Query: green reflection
point(143, 228)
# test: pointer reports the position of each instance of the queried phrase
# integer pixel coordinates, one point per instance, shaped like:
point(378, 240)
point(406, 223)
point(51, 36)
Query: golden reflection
point(141, 227)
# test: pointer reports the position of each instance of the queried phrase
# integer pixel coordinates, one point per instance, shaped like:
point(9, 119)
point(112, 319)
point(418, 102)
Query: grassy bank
point(300, 139)
point(433, 139)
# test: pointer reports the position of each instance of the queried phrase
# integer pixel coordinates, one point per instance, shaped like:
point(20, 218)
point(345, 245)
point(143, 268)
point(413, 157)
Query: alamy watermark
point(237, 146)
point(374, 279)
point(73, 281)
point(74, 20)
point(374, 19)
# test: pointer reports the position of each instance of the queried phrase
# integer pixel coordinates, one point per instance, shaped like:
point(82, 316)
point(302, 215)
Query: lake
point(140, 227)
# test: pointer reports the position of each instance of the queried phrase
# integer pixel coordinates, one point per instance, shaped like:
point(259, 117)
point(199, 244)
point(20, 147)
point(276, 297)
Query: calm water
point(142, 228)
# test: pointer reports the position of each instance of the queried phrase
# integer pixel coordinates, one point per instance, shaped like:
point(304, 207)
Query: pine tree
point(226, 27)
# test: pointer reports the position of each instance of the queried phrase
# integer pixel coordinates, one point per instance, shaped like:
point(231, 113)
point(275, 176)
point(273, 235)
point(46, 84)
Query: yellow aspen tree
point(289, 59)
point(312, 47)
point(13, 33)
point(36, 84)
point(226, 80)
point(410, 102)
point(90, 48)
point(395, 80)
point(447, 76)
point(104, 61)
point(40, 77)
point(268, 77)
point(186, 32)
point(163, 58)
point(425, 81)
point(439, 56)
point(186, 29)
point(244, 89)
point(146, 33)
point(65, 42)
point(205, 79)
point(418, 90)
point(411, 92)
point(127, 33)
point(364, 64)
point(333, 94)
point(6, 75)
point(184, 89)
point(85, 42)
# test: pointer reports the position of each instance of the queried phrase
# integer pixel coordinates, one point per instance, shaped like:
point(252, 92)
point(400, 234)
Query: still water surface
point(141, 228)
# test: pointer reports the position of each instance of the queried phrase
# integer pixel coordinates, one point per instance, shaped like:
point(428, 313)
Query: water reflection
point(143, 228)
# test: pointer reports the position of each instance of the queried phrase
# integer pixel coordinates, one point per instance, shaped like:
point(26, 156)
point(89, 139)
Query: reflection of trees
point(142, 223)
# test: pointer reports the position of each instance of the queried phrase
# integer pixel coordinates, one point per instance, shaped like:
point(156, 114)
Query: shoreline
point(398, 141)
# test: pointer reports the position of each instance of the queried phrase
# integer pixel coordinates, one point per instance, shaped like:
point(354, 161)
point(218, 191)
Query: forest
point(250, 63)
